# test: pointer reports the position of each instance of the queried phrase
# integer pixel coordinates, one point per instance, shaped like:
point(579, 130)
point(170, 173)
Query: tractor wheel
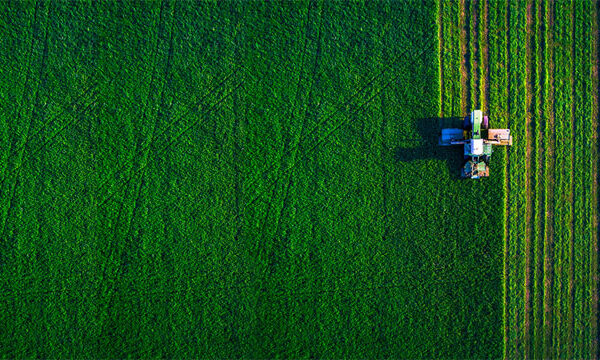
point(486, 123)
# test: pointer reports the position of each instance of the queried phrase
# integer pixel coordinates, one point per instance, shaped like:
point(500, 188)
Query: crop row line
point(536, 331)
point(590, 320)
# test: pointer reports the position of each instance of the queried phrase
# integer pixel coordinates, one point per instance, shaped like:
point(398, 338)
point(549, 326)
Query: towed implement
point(478, 140)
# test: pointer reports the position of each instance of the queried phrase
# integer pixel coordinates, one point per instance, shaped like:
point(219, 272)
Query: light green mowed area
point(254, 179)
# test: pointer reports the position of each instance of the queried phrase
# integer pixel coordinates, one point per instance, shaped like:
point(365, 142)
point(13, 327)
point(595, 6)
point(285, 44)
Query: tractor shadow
point(425, 146)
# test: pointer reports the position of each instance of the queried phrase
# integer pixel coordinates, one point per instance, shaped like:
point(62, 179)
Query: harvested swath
point(549, 145)
point(465, 56)
point(582, 232)
point(529, 174)
point(593, 186)
point(537, 330)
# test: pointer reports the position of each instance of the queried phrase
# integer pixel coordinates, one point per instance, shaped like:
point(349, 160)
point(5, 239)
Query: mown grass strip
point(475, 54)
point(549, 162)
point(530, 191)
point(538, 175)
point(465, 66)
point(451, 59)
point(563, 325)
point(441, 50)
point(517, 173)
point(592, 185)
point(498, 95)
point(483, 44)
point(582, 231)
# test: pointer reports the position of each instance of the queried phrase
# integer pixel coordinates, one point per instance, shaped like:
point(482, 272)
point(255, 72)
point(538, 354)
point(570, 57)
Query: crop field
point(262, 179)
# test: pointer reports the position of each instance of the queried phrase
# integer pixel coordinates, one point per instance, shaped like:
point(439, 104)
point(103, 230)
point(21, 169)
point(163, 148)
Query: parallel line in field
point(111, 276)
point(339, 107)
point(539, 173)
point(485, 66)
point(440, 24)
point(79, 104)
point(548, 184)
point(505, 238)
point(344, 121)
point(562, 196)
point(517, 177)
point(315, 146)
point(27, 79)
point(465, 70)
point(19, 109)
point(582, 206)
point(456, 56)
point(35, 99)
point(529, 190)
point(571, 225)
point(317, 61)
point(88, 93)
point(161, 150)
point(115, 243)
point(593, 318)
point(514, 322)
point(475, 55)
point(261, 240)
point(190, 109)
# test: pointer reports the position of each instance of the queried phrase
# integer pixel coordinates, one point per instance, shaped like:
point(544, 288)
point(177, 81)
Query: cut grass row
point(536, 91)
point(549, 290)
point(549, 165)
point(497, 83)
point(562, 326)
point(592, 186)
point(549, 252)
point(582, 182)
point(517, 175)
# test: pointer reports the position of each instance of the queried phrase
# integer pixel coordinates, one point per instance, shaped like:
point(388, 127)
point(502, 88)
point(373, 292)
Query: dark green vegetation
point(249, 179)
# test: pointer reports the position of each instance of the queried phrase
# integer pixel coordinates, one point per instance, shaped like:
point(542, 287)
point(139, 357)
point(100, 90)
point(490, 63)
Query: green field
point(261, 179)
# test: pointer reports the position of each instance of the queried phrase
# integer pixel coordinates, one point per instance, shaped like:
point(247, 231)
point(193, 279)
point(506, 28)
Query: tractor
point(477, 139)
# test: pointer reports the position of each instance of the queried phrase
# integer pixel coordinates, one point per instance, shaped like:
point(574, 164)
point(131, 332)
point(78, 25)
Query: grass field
point(262, 179)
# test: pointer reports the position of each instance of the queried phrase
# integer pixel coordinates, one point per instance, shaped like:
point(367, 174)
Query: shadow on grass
point(426, 145)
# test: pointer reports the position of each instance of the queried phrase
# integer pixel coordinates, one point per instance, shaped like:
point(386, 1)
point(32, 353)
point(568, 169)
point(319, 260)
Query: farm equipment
point(477, 139)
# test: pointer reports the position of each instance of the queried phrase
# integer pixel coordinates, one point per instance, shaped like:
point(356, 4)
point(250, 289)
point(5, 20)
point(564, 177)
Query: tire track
point(344, 104)
point(111, 274)
point(294, 152)
point(323, 139)
point(30, 112)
